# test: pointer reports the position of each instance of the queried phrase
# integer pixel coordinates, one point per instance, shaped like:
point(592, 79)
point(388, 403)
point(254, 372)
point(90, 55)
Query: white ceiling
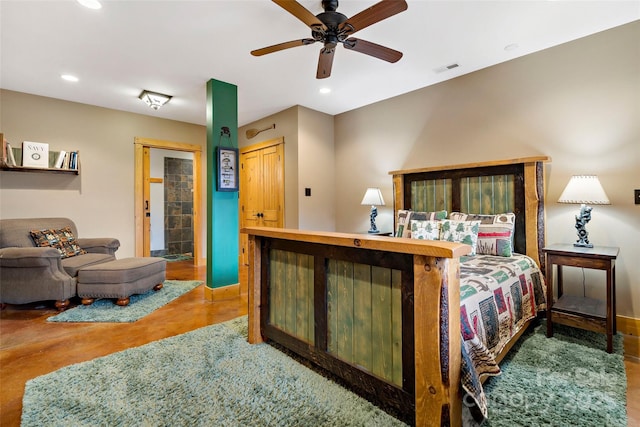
point(175, 47)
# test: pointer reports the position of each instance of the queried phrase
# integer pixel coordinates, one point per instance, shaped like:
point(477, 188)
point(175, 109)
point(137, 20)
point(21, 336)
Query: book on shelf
point(59, 159)
point(35, 154)
point(10, 157)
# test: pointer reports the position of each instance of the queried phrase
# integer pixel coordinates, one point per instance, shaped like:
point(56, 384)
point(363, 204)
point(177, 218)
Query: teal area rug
point(213, 377)
point(177, 257)
point(567, 380)
point(208, 377)
point(104, 310)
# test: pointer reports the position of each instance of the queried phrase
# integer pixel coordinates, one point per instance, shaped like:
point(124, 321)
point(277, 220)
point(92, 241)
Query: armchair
point(30, 273)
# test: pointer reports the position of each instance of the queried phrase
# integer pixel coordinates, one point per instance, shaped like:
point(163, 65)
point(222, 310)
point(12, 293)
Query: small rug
point(105, 310)
point(208, 377)
point(567, 380)
point(177, 257)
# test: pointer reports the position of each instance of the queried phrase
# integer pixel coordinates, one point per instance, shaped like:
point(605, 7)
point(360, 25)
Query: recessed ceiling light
point(69, 78)
point(91, 4)
point(325, 90)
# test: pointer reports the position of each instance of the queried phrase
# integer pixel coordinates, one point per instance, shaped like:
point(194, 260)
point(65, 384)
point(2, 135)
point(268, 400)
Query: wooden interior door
point(261, 201)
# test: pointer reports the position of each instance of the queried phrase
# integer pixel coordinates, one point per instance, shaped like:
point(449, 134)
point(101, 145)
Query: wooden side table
point(576, 311)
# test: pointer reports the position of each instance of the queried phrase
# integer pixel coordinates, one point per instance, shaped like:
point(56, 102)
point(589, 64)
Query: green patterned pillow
point(404, 217)
point(61, 239)
point(426, 230)
point(495, 236)
point(460, 232)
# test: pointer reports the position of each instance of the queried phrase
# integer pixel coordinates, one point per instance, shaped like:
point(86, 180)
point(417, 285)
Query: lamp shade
point(373, 197)
point(584, 189)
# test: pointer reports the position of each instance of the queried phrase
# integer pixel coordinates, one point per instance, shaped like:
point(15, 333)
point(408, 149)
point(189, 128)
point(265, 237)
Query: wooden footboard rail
point(381, 313)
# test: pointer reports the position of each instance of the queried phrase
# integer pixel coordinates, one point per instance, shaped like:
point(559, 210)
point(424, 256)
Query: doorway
point(261, 201)
point(161, 187)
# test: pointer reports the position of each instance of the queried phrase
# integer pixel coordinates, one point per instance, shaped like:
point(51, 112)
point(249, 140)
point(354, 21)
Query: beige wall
point(578, 103)
point(101, 199)
point(309, 163)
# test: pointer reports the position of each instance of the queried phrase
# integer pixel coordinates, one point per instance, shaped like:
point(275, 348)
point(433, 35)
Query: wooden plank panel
point(254, 279)
point(382, 322)
point(290, 288)
point(304, 298)
point(277, 289)
point(396, 326)
point(486, 194)
point(436, 389)
point(345, 311)
point(332, 306)
point(362, 338)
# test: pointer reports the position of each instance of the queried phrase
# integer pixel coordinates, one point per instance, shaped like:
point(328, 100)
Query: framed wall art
point(227, 169)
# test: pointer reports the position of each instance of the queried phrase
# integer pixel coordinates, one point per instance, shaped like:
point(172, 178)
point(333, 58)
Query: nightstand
point(581, 312)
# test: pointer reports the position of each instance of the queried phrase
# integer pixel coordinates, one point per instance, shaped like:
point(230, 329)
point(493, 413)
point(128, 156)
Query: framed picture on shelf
point(227, 169)
point(35, 154)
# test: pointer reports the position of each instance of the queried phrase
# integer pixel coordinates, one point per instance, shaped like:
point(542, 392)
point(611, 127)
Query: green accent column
point(222, 207)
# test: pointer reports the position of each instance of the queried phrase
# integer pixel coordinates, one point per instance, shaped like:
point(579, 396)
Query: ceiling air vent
point(446, 68)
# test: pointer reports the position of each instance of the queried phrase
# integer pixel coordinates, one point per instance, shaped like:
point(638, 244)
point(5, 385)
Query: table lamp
point(583, 190)
point(373, 197)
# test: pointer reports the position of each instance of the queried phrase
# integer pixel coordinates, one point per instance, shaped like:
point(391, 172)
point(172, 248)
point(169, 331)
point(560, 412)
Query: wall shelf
point(17, 152)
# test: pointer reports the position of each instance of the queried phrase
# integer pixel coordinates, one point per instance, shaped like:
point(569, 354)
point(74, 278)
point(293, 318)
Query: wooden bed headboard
point(515, 185)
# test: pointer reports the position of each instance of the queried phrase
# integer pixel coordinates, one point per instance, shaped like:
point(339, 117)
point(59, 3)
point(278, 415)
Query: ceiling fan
point(331, 28)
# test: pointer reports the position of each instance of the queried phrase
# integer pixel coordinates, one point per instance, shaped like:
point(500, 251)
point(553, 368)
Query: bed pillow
point(460, 232)
point(495, 235)
point(404, 217)
point(425, 230)
point(61, 239)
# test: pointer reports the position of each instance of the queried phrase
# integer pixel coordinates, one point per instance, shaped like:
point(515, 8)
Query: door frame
point(243, 238)
point(142, 144)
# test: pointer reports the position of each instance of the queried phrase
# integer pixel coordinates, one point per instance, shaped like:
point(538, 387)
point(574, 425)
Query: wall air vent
point(446, 68)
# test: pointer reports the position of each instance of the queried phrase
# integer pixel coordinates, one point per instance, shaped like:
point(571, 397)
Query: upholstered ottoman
point(120, 279)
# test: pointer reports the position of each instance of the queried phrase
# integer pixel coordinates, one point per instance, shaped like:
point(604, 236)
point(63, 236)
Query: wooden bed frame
point(374, 310)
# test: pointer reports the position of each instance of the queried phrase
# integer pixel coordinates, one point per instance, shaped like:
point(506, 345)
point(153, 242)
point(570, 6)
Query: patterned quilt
point(497, 296)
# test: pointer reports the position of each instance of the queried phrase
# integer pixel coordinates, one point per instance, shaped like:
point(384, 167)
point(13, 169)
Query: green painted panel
point(332, 306)
point(277, 291)
point(381, 322)
point(291, 293)
point(222, 207)
point(365, 317)
point(305, 318)
point(290, 300)
point(362, 337)
point(345, 310)
point(488, 194)
point(396, 326)
point(431, 195)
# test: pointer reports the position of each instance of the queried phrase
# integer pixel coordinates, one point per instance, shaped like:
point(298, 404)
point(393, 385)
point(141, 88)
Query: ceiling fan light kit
point(332, 28)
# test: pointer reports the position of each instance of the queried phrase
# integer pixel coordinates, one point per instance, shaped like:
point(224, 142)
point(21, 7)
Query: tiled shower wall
point(178, 206)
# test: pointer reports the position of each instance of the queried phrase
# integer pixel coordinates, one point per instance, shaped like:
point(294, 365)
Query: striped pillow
point(495, 234)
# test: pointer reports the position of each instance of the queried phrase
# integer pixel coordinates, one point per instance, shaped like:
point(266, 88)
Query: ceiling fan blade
point(373, 49)
point(300, 12)
point(375, 13)
point(281, 46)
point(325, 62)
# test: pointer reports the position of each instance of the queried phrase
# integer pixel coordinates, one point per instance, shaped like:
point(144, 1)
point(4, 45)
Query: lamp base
point(581, 221)
point(373, 231)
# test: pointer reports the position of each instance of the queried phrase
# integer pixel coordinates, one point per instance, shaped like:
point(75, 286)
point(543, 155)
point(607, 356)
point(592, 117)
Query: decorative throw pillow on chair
point(61, 239)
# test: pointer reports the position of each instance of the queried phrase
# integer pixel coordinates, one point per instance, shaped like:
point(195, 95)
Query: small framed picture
point(227, 169)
